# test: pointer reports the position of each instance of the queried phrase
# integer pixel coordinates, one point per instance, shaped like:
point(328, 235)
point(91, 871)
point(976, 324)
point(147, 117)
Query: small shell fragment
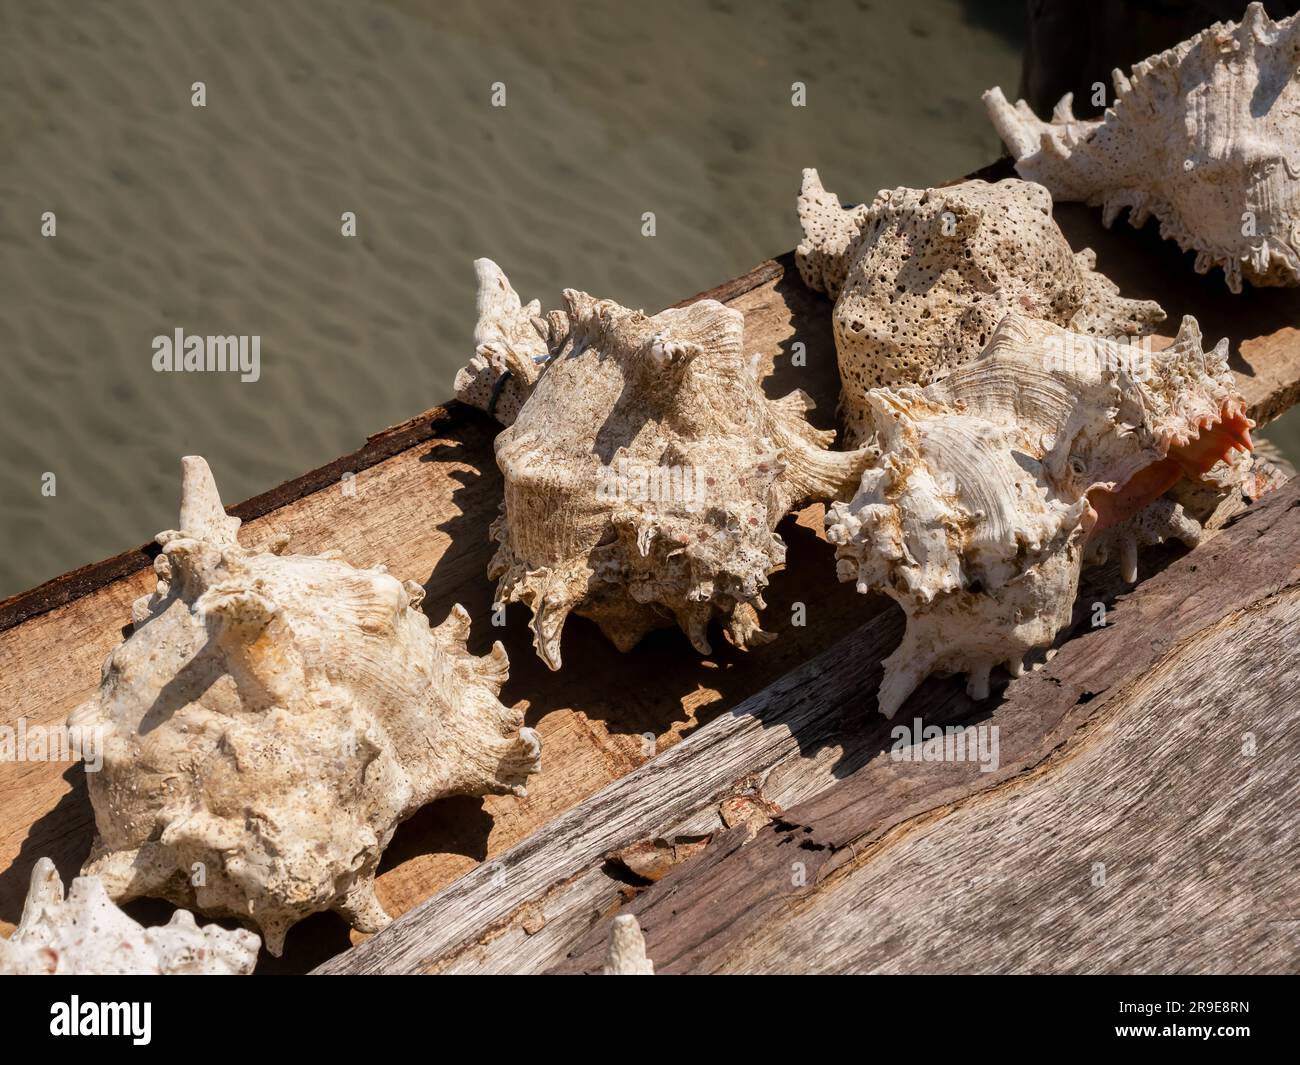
point(85, 934)
point(626, 954)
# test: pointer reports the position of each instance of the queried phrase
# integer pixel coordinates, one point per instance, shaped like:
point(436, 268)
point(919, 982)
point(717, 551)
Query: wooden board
point(810, 760)
point(1142, 817)
point(426, 492)
point(1165, 844)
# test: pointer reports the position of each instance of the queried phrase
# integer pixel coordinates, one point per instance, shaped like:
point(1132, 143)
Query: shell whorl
point(512, 344)
point(993, 480)
point(922, 278)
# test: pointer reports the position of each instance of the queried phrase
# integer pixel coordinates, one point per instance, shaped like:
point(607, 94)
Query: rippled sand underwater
point(226, 219)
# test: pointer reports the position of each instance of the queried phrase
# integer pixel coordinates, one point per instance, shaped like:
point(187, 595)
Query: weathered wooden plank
point(778, 749)
point(1162, 845)
point(864, 838)
point(426, 492)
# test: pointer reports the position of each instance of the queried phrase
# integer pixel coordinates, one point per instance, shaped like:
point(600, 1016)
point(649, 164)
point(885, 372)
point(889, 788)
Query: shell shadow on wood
point(645, 475)
point(922, 277)
point(270, 721)
point(85, 934)
point(993, 479)
point(1204, 136)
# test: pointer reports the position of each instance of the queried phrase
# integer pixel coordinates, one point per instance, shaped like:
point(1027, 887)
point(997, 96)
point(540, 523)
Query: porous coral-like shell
point(626, 953)
point(512, 344)
point(1204, 136)
point(922, 277)
point(85, 934)
point(992, 479)
point(270, 721)
point(645, 474)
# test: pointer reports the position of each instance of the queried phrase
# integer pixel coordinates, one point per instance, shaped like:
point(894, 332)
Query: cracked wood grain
point(1192, 661)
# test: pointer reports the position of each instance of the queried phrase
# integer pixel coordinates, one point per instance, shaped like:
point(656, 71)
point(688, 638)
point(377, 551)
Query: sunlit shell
point(922, 277)
point(85, 934)
point(1204, 136)
point(645, 476)
point(270, 721)
point(625, 955)
point(512, 344)
point(993, 479)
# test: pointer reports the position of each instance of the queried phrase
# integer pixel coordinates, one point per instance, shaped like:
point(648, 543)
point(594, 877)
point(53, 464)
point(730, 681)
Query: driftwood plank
point(551, 895)
point(426, 492)
point(1166, 844)
point(1131, 749)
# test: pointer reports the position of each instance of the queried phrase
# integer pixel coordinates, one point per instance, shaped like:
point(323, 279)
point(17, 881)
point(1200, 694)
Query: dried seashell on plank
point(626, 955)
point(85, 934)
point(512, 345)
point(645, 475)
point(993, 479)
point(1204, 136)
point(272, 718)
point(922, 277)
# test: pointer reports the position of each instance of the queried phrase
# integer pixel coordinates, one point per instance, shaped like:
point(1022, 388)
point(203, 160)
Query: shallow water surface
point(226, 219)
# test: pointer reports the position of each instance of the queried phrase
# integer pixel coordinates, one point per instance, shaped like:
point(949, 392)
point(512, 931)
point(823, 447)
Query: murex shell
point(922, 277)
point(646, 472)
point(993, 479)
point(85, 934)
point(270, 721)
point(1205, 136)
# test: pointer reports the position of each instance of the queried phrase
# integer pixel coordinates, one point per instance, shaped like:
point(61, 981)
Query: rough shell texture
point(1204, 136)
point(512, 344)
point(1164, 519)
point(993, 478)
point(645, 474)
point(626, 954)
point(922, 277)
point(270, 721)
point(86, 934)
point(1193, 507)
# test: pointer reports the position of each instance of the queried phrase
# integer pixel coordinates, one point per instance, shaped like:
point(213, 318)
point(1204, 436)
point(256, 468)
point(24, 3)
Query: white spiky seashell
point(992, 480)
point(645, 476)
point(270, 721)
point(1204, 136)
point(922, 277)
point(85, 934)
